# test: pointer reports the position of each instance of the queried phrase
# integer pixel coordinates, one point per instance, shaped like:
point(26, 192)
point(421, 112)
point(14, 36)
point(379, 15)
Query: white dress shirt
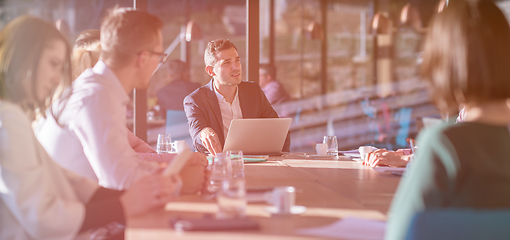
point(92, 137)
point(38, 198)
point(228, 111)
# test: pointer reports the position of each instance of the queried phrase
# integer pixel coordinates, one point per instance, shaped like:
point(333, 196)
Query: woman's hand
point(382, 157)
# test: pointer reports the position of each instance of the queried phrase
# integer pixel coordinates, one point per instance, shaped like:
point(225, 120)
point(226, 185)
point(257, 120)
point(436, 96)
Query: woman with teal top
point(466, 165)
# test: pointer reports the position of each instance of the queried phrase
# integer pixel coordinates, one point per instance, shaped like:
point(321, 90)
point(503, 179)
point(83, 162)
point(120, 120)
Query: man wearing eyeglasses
point(90, 137)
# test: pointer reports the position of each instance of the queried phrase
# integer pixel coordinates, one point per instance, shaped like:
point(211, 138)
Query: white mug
point(179, 145)
point(322, 149)
point(283, 198)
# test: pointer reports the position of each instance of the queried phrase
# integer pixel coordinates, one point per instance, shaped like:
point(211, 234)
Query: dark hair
point(467, 55)
point(22, 42)
point(125, 32)
point(214, 47)
point(178, 70)
point(269, 69)
point(87, 37)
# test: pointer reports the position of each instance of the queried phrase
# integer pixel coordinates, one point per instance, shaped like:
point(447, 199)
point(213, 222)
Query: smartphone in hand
point(178, 162)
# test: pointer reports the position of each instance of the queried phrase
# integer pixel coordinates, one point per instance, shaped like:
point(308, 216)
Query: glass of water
point(332, 145)
point(221, 169)
point(237, 161)
point(164, 144)
point(232, 198)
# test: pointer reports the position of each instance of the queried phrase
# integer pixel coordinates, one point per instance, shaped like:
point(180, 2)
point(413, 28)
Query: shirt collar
point(111, 80)
point(221, 98)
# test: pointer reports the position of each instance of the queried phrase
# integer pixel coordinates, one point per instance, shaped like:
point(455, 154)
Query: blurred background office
point(349, 66)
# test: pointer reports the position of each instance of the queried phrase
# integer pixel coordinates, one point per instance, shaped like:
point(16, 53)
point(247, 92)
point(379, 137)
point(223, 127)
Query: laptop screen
point(257, 135)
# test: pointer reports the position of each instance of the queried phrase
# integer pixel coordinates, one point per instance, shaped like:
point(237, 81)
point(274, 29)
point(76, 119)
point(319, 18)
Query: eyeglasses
point(162, 56)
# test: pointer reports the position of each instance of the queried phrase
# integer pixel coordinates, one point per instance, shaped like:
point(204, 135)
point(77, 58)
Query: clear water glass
point(332, 145)
point(221, 169)
point(237, 161)
point(164, 144)
point(232, 198)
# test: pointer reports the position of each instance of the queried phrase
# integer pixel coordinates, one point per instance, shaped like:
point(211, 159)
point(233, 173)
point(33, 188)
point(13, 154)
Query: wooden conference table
point(330, 189)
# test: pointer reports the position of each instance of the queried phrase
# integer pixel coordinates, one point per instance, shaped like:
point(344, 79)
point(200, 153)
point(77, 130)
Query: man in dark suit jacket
point(211, 108)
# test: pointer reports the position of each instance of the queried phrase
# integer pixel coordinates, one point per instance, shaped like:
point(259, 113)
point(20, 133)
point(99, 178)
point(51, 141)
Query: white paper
point(349, 228)
point(389, 169)
point(350, 151)
point(353, 155)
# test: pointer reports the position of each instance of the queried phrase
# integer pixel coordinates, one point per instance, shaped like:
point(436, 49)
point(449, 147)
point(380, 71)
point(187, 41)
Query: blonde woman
point(38, 198)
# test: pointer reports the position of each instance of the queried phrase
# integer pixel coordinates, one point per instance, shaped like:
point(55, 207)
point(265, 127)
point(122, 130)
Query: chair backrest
point(465, 224)
point(404, 118)
point(177, 126)
point(174, 117)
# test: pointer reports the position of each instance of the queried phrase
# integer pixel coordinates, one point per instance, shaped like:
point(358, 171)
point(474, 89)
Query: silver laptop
point(257, 136)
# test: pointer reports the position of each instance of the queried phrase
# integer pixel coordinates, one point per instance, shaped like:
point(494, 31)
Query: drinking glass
point(237, 161)
point(221, 169)
point(178, 146)
point(332, 145)
point(232, 198)
point(164, 144)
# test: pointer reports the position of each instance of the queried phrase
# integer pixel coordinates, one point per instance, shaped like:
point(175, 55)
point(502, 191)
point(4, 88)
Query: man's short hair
point(126, 31)
point(269, 69)
point(178, 70)
point(214, 47)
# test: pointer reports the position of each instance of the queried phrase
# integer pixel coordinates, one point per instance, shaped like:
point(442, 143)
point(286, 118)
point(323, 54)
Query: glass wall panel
point(215, 18)
point(297, 58)
point(350, 45)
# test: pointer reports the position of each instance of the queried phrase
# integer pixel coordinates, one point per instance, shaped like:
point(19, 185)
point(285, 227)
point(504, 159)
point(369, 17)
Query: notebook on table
point(257, 136)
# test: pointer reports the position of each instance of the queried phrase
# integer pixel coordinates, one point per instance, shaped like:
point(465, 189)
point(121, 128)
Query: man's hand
point(197, 158)
point(194, 174)
point(210, 140)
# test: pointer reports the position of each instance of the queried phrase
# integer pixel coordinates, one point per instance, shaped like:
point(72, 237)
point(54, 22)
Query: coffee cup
point(283, 198)
point(178, 146)
point(322, 149)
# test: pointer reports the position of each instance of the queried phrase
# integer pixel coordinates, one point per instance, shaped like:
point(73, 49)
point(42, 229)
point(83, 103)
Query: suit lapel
point(215, 106)
point(244, 100)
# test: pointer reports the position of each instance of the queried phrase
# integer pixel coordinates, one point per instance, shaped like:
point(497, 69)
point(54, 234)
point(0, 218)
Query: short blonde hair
point(126, 32)
point(467, 55)
point(85, 56)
